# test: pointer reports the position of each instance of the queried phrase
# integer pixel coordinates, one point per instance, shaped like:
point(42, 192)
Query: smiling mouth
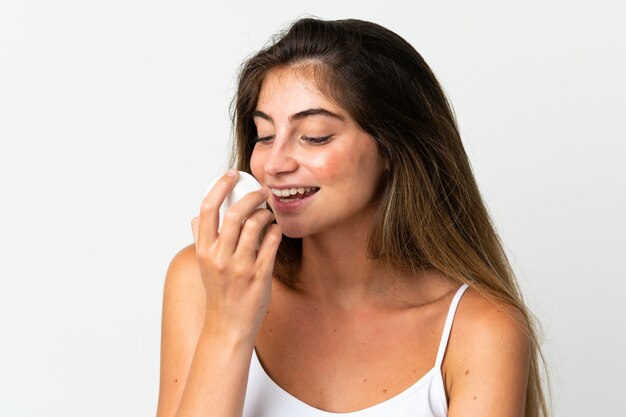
point(287, 195)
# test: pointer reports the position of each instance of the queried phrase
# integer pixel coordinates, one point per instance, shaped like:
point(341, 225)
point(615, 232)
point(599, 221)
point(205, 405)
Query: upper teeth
point(286, 192)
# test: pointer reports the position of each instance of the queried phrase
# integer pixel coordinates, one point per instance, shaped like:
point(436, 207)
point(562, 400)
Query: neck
point(335, 272)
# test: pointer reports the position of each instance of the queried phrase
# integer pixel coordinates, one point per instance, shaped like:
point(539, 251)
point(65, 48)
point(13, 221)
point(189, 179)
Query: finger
point(235, 216)
point(210, 208)
point(195, 225)
point(268, 249)
point(251, 231)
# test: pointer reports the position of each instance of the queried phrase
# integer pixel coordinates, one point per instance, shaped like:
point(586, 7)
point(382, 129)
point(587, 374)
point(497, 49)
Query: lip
point(288, 186)
point(292, 206)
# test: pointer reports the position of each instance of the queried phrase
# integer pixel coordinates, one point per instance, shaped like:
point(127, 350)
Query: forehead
point(289, 90)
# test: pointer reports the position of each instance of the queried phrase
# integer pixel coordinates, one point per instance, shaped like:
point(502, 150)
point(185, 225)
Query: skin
point(327, 341)
point(346, 168)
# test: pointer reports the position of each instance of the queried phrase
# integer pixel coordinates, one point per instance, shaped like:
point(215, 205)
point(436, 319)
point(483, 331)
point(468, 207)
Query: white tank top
point(425, 398)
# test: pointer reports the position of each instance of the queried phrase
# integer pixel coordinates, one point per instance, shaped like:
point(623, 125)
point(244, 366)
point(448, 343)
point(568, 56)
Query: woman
point(381, 242)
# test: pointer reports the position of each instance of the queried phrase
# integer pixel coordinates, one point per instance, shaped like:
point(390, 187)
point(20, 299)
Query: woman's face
point(309, 151)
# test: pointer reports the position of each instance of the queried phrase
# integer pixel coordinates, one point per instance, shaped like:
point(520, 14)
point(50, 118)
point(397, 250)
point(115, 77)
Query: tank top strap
point(448, 325)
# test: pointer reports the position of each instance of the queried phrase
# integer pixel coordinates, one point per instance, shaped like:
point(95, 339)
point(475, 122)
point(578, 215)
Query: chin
point(294, 233)
point(295, 230)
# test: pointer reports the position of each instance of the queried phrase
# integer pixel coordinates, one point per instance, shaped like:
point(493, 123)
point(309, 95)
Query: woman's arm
point(216, 296)
point(181, 324)
point(218, 367)
point(491, 363)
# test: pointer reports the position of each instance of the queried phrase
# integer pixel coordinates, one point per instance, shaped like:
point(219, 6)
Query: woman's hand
point(237, 277)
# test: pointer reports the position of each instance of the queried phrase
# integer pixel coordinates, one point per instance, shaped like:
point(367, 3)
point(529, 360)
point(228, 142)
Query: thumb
point(195, 226)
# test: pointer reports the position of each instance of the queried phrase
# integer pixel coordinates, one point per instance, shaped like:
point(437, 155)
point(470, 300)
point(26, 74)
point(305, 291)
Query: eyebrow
point(302, 114)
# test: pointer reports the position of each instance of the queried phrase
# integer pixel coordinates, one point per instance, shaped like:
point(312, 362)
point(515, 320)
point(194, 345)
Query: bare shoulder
point(183, 279)
point(487, 358)
point(478, 316)
point(183, 297)
point(182, 319)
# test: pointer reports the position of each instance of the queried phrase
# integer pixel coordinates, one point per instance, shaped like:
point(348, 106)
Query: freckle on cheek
point(466, 372)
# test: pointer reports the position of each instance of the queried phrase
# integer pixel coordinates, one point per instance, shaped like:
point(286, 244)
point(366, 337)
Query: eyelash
point(314, 141)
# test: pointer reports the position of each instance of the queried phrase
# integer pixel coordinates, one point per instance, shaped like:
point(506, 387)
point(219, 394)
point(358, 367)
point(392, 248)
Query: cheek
point(346, 172)
point(256, 166)
point(366, 171)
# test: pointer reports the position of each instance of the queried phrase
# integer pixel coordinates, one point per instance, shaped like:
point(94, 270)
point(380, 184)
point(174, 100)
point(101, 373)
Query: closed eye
point(313, 140)
point(317, 140)
point(257, 139)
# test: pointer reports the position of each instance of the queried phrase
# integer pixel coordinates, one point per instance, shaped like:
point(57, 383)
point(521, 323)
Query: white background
point(114, 119)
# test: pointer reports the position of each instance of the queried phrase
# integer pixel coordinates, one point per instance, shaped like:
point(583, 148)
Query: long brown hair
point(431, 213)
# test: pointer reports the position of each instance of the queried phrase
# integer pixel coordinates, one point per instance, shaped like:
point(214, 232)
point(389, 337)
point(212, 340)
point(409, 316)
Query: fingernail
point(232, 172)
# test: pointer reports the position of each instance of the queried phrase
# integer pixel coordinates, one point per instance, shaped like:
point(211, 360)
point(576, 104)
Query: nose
point(281, 159)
